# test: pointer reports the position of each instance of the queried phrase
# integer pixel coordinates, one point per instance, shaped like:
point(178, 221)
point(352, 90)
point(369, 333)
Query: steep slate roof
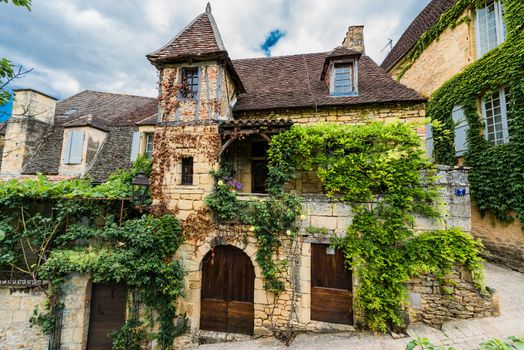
point(116, 114)
point(107, 109)
point(294, 81)
point(425, 20)
point(199, 38)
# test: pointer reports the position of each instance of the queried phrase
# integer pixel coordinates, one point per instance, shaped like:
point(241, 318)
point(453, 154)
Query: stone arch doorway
point(227, 295)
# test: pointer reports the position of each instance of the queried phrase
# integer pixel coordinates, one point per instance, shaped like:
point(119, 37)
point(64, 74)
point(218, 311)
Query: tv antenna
point(389, 44)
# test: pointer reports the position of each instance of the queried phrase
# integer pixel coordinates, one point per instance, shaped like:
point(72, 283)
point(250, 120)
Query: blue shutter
point(76, 147)
point(67, 147)
point(135, 145)
point(429, 141)
point(461, 130)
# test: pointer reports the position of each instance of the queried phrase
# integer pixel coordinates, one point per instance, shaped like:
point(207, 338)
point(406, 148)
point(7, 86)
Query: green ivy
point(269, 219)
point(51, 229)
point(358, 164)
point(496, 178)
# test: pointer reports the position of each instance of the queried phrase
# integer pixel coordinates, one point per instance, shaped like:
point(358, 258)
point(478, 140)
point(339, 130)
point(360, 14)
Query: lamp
point(141, 183)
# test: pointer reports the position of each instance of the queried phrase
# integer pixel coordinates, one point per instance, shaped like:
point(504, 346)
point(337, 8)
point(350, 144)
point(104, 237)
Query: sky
point(73, 45)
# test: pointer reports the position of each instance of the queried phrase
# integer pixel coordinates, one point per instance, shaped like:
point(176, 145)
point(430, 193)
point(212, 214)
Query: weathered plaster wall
point(93, 139)
point(504, 242)
point(441, 60)
point(215, 91)
point(16, 308)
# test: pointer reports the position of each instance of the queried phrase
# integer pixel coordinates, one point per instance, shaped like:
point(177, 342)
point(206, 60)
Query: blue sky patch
point(5, 110)
point(271, 40)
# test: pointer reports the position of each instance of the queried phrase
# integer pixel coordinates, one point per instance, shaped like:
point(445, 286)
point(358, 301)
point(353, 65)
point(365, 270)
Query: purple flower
point(233, 184)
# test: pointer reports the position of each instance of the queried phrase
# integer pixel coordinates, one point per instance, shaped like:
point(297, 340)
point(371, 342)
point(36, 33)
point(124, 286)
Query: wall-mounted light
point(141, 183)
point(330, 251)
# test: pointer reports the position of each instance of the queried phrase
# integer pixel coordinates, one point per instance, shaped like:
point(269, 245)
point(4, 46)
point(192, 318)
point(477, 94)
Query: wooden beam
point(264, 135)
point(225, 145)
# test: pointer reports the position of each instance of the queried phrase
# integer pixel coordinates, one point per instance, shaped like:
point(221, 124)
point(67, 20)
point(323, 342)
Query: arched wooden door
point(228, 281)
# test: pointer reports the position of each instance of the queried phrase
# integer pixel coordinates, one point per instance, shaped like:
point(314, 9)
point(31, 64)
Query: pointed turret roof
point(200, 39)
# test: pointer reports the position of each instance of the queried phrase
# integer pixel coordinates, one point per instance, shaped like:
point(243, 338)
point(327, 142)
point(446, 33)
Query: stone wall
point(385, 112)
point(504, 242)
point(433, 303)
point(16, 308)
point(75, 319)
point(292, 309)
point(441, 60)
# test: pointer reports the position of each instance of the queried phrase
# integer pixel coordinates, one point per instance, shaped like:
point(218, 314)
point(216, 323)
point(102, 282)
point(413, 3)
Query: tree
point(8, 71)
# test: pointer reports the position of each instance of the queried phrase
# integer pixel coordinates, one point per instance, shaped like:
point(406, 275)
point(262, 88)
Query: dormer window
point(189, 87)
point(73, 147)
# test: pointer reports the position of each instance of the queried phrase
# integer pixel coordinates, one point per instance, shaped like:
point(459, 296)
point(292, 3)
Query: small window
point(73, 147)
point(189, 82)
point(259, 173)
point(490, 28)
point(149, 146)
point(187, 171)
point(495, 114)
point(461, 130)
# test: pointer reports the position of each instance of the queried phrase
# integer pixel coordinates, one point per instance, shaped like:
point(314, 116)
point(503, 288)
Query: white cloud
point(99, 44)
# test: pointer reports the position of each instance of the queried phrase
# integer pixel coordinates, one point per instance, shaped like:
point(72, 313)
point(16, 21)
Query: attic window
point(189, 82)
point(343, 79)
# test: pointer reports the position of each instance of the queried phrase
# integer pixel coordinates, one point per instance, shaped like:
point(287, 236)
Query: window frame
point(353, 78)
point(185, 93)
point(500, 26)
point(503, 98)
point(149, 136)
point(187, 179)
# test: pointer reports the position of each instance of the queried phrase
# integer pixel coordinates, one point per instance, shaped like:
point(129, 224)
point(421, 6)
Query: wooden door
point(228, 281)
point(331, 286)
point(108, 309)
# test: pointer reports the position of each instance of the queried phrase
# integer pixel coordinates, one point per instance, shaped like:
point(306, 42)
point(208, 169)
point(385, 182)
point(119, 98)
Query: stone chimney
point(354, 39)
point(33, 113)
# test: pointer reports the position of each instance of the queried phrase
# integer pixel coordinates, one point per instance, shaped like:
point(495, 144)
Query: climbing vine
point(381, 172)
point(51, 229)
point(496, 178)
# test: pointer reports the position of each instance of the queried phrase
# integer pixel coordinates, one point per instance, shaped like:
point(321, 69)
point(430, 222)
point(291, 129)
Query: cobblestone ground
point(462, 335)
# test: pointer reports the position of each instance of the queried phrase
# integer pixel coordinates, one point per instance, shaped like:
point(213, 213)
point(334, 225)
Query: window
point(490, 27)
point(149, 145)
point(73, 147)
point(342, 80)
point(461, 130)
point(189, 82)
point(495, 114)
point(187, 171)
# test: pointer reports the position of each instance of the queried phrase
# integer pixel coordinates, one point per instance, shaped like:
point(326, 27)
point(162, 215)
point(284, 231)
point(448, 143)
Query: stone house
point(210, 107)
point(90, 134)
point(466, 39)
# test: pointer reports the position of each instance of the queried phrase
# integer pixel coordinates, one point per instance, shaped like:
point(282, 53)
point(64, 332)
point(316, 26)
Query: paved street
point(462, 335)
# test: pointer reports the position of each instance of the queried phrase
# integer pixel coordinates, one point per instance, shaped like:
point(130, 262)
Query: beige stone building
point(474, 32)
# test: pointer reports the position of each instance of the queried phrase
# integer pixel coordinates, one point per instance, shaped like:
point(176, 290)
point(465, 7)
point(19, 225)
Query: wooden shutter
point(461, 130)
point(135, 145)
point(76, 146)
point(67, 147)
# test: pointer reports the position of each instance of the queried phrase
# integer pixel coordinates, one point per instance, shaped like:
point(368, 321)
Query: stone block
point(328, 222)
